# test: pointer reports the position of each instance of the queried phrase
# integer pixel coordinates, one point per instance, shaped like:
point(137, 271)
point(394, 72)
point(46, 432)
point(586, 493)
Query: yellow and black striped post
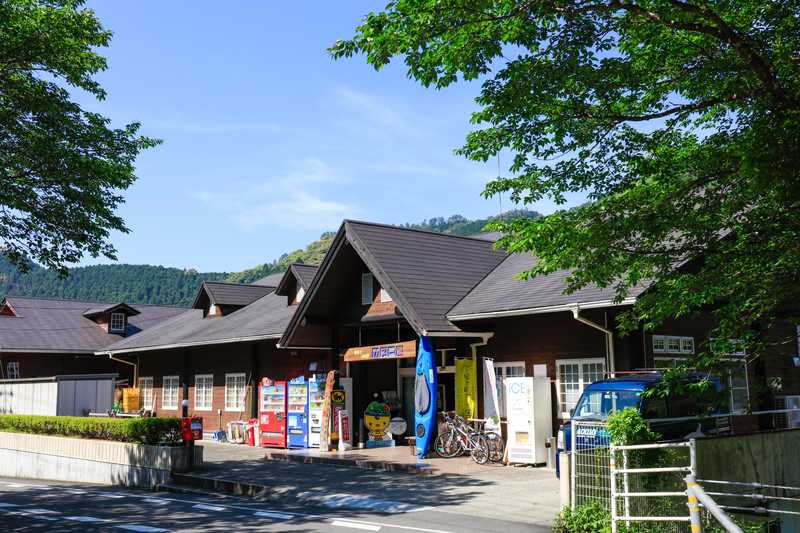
point(693, 505)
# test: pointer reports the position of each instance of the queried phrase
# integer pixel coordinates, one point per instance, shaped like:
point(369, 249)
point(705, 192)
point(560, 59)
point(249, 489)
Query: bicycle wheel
point(447, 445)
point(480, 449)
point(497, 446)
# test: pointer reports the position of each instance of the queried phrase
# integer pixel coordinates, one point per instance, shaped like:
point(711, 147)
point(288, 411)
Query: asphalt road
point(57, 506)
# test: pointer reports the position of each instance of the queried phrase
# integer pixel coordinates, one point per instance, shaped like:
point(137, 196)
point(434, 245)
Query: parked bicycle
point(459, 437)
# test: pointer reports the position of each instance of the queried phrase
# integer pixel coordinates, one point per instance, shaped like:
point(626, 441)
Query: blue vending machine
point(297, 413)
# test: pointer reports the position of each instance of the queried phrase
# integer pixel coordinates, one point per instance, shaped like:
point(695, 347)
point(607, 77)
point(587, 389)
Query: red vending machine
point(272, 413)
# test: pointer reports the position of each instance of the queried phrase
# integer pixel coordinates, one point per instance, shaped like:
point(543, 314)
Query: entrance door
point(408, 402)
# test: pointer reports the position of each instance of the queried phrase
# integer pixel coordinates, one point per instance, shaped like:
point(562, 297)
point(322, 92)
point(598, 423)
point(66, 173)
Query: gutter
point(134, 365)
point(483, 342)
point(610, 355)
point(188, 344)
point(541, 310)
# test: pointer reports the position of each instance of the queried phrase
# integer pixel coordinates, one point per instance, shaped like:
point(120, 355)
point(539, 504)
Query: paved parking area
point(518, 494)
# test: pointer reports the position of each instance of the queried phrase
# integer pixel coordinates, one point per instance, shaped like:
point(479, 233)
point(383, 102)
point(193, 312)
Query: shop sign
point(344, 426)
point(398, 350)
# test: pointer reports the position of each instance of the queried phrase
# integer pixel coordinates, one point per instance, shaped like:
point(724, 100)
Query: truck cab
point(673, 417)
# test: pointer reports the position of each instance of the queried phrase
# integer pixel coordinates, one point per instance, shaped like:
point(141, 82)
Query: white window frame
point(504, 366)
point(167, 393)
point(12, 370)
point(144, 384)
point(562, 408)
point(239, 399)
point(299, 296)
point(385, 297)
point(367, 292)
point(685, 345)
point(119, 316)
point(210, 397)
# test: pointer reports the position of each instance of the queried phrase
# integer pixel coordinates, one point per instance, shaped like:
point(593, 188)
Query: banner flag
point(466, 388)
point(491, 405)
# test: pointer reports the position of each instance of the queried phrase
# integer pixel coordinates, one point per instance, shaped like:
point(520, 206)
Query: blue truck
point(673, 417)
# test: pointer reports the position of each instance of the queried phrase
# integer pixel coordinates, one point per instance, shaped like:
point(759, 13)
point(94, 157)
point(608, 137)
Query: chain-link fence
point(590, 464)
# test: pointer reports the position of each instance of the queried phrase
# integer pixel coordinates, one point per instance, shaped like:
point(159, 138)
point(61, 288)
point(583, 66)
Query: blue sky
point(267, 141)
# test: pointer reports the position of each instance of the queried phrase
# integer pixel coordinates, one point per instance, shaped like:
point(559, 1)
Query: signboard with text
point(398, 350)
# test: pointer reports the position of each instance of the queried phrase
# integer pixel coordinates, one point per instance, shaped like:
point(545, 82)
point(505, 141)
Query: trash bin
point(250, 432)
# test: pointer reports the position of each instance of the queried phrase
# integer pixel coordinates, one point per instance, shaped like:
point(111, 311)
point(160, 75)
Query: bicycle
point(459, 437)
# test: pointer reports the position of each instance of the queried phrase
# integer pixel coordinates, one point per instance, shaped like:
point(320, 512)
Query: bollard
point(692, 504)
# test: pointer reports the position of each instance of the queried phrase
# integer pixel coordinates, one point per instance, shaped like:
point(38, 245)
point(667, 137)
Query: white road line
point(16, 485)
point(77, 492)
point(90, 519)
point(156, 501)
point(209, 507)
point(41, 511)
point(112, 495)
point(142, 529)
point(273, 514)
point(3, 505)
point(357, 501)
point(355, 525)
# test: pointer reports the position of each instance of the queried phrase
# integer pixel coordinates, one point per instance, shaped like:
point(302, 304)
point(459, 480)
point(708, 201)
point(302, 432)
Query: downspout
point(576, 314)
point(484, 341)
point(134, 365)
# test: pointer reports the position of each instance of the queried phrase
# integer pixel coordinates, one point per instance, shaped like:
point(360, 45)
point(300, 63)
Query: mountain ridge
point(151, 284)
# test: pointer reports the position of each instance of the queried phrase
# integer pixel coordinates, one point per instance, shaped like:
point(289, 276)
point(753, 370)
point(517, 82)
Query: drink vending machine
point(316, 397)
point(272, 413)
point(297, 413)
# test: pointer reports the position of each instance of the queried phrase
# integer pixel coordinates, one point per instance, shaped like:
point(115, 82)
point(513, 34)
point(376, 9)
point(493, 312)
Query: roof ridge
point(430, 232)
point(109, 302)
point(235, 284)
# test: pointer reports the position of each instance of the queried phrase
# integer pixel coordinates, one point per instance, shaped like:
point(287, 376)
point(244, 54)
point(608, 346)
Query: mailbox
point(191, 428)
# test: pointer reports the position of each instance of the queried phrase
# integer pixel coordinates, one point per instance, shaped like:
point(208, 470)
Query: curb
point(366, 464)
point(194, 483)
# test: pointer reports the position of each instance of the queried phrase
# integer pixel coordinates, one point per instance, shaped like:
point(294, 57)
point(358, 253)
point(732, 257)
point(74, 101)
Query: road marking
point(143, 529)
point(3, 505)
point(90, 519)
point(112, 495)
point(209, 507)
point(16, 485)
point(77, 492)
point(355, 525)
point(355, 501)
point(272, 514)
point(41, 511)
point(157, 501)
point(33, 515)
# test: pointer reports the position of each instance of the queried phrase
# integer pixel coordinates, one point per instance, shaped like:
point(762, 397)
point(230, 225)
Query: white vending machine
point(529, 417)
point(316, 398)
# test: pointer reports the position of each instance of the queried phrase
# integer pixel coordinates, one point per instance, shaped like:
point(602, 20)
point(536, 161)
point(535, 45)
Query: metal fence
point(590, 460)
point(648, 491)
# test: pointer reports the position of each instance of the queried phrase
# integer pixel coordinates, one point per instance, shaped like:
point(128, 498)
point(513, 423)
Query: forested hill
point(175, 286)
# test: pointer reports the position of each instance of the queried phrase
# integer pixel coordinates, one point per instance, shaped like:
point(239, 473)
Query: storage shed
point(68, 395)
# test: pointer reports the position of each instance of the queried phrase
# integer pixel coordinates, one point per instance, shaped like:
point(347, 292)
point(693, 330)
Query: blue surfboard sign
point(424, 397)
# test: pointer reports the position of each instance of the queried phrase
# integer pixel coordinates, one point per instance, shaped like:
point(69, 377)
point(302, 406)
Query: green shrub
point(627, 427)
point(143, 430)
point(588, 518)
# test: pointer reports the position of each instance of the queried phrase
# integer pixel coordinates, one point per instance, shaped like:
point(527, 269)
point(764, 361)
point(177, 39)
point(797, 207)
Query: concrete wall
point(91, 461)
point(769, 458)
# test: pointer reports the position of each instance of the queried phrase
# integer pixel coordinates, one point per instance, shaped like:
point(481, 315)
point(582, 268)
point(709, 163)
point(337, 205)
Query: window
point(506, 370)
point(738, 388)
point(385, 296)
point(573, 376)
point(169, 392)
point(203, 391)
point(12, 370)
point(234, 392)
point(117, 321)
point(366, 289)
point(146, 393)
point(673, 344)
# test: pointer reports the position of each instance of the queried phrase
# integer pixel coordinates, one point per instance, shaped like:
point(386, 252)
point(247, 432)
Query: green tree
point(61, 168)
point(678, 118)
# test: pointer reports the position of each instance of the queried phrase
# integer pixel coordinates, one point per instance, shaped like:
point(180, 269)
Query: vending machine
point(297, 413)
point(272, 413)
point(316, 397)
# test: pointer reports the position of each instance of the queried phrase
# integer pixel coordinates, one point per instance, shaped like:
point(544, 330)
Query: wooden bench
point(412, 444)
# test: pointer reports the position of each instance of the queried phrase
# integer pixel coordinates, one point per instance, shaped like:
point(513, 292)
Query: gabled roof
point(301, 273)
point(270, 281)
point(266, 318)
point(45, 325)
point(222, 293)
point(424, 272)
point(121, 307)
point(499, 293)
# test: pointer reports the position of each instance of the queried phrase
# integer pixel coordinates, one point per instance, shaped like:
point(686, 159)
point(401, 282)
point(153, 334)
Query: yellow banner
point(466, 388)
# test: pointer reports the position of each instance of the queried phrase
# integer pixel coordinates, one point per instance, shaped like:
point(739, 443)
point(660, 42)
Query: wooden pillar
point(255, 373)
point(187, 374)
